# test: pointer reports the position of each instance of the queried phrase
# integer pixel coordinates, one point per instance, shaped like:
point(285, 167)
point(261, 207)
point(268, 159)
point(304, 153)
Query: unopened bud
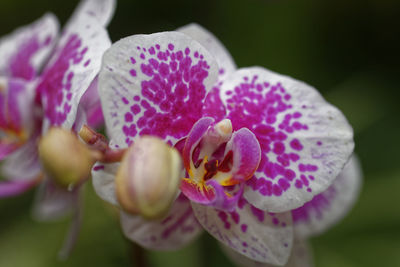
point(148, 178)
point(64, 158)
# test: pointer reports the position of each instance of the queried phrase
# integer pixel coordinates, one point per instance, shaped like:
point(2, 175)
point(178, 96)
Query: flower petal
point(103, 179)
point(299, 257)
point(154, 84)
point(330, 206)
point(101, 10)
point(305, 141)
point(257, 234)
point(23, 52)
point(24, 163)
point(17, 118)
point(14, 188)
point(52, 202)
point(213, 107)
point(226, 198)
point(174, 231)
point(73, 66)
point(198, 192)
point(91, 106)
point(7, 149)
point(193, 139)
point(246, 156)
point(213, 45)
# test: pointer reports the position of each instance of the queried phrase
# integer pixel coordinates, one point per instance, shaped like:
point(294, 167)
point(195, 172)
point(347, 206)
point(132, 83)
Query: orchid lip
point(214, 155)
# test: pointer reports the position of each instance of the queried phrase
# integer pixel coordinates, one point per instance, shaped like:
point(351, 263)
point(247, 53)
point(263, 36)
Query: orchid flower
point(255, 144)
point(44, 77)
point(33, 99)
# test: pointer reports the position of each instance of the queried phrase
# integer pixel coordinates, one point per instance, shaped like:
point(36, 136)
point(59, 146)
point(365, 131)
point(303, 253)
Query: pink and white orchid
point(255, 144)
point(43, 76)
point(33, 99)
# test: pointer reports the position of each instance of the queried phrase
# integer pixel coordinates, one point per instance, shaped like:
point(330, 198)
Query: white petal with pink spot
point(154, 84)
point(299, 257)
point(103, 179)
point(330, 206)
point(305, 141)
point(172, 232)
point(72, 68)
point(259, 235)
point(226, 65)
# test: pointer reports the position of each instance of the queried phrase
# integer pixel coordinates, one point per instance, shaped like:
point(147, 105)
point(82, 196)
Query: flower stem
point(138, 256)
point(99, 145)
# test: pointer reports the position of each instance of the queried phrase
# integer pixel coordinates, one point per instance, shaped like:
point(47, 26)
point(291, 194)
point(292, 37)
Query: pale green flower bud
point(148, 178)
point(65, 158)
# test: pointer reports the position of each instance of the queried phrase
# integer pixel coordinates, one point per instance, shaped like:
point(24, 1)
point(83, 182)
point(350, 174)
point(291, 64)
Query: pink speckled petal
point(299, 257)
point(52, 202)
point(101, 10)
point(330, 206)
point(72, 68)
point(213, 45)
point(172, 232)
point(213, 106)
point(23, 52)
point(103, 177)
point(259, 235)
point(154, 84)
point(305, 141)
point(15, 188)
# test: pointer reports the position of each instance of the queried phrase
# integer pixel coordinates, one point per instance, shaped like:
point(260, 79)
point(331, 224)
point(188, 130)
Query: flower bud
point(64, 158)
point(148, 178)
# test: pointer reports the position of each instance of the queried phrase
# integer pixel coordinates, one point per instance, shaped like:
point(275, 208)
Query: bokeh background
point(349, 50)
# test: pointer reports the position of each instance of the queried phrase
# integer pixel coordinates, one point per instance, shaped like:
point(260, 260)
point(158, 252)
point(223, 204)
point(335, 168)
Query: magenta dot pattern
point(316, 207)
point(328, 207)
point(257, 234)
point(301, 155)
point(161, 91)
point(213, 45)
point(175, 86)
point(172, 232)
point(267, 111)
point(71, 69)
point(56, 82)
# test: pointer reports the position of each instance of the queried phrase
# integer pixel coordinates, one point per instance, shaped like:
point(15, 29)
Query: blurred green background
point(349, 50)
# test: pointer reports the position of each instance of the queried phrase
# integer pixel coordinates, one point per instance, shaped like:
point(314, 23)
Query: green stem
point(138, 256)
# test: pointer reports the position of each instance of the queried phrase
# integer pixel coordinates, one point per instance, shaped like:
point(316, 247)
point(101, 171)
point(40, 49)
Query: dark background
point(346, 49)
